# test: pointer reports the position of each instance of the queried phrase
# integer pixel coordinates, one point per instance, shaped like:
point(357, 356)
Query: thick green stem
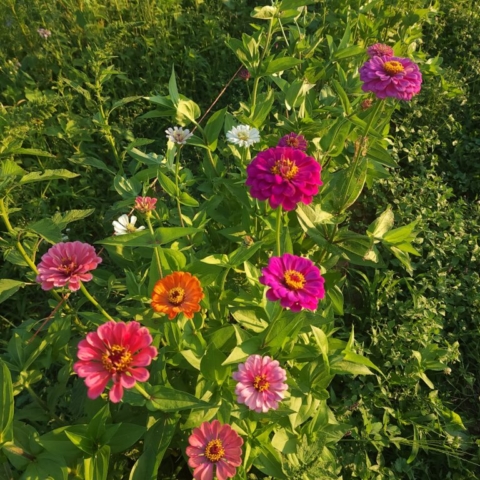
point(279, 229)
point(94, 302)
point(156, 249)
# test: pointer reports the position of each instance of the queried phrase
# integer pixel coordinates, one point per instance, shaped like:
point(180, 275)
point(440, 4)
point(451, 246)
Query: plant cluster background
point(382, 378)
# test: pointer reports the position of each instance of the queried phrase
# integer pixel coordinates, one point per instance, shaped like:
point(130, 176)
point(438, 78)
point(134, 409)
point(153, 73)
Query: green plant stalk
point(223, 279)
point(177, 189)
point(142, 391)
point(279, 229)
point(156, 249)
point(360, 148)
point(262, 56)
point(94, 302)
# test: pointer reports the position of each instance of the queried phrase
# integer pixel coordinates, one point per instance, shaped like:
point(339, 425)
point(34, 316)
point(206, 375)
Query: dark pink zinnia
point(260, 383)
point(295, 281)
point(117, 351)
point(380, 50)
point(293, 140)
point(214, 446)
point(285, 176)
point(391, 77)
point(67, 264)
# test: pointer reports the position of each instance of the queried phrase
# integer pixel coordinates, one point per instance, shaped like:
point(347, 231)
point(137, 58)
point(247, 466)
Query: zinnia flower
point(145, 204)
point(214, 446)
point(380, 50)
point(117, 351)
point(295, 281)
point(44, 33)
point(243, 136)
point(176, 293)
point(124, 225)
point(293, 140)
point(285, 176)
point(391, 77)
point(178, 135)
point(260, 383)
point(67, 264)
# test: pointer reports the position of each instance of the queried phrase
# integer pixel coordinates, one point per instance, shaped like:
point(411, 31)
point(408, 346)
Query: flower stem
point(156, 249)
point(142, 391)
point(94, 302)
point(177, 190)
point(262, 56)
point(279, 228)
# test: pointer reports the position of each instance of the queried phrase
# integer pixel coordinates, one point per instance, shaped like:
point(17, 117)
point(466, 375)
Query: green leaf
point(96, 466)
point(8, 288)
point(213, 128)
point(70, 216)
point(360, 360)
point(11, 168)
point(290, 4)
point(281, 64)
point(349, 52)
point(79, 436)
point(163, 235)
point(401, 234)
point(127, 188)
point(186, 199)
point(380, 154)
point(125, 436)
point(124, 101)
point(382, 224)
point(96, 427)
point(187, 111)
point(172, 88)
point(168, 399)
point(343, 97)
point(264, 13)
point(60, 174)
point(211, 365)
point(262, 109)
point(6, 405)
point(242, 351)
point(242, 254)
point(31, 151)
point(167, 184)
point(322, 342)
point(156, 442)
point(47, 229)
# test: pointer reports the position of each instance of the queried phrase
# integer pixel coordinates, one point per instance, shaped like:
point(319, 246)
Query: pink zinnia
point(260, 383)
point(285, 176)
point(214, 445)
point(391, 77)
point(67, 264)
point(117, 351)
point(293, 140)
point(295, 281)
point(145, 204)
point(380, 50)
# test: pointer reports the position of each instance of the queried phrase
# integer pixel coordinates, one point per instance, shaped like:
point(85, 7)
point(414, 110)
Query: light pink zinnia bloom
point(214, 445)
point(117, 351)
point(260, 383)
point(145, 204)
point(66, 264)
point(380, 50)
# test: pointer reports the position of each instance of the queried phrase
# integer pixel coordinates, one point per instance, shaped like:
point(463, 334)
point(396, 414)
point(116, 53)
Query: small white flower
point(178, 135)
point(44, 33)
point(125, 225)
point(243, 135)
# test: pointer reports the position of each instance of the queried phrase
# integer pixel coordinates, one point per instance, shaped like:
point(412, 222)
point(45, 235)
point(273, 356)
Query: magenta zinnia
point(293, 140)
point(260, 383)
point(380, 50)
point(295, 281)
point(213, 445)
point(391, 77)
point(117, 351)
point(67, 264)
point(284, 176)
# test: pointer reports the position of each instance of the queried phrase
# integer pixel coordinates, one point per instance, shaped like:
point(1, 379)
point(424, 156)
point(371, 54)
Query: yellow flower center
point(131, 228)
point(392, 67)
point(242, 135)
point(117, 360)
point(68, 266)
point(293, 142)
point(294, 280)
point(260, 383)
point(214, 450)
point(285, 168)
point(176, 295)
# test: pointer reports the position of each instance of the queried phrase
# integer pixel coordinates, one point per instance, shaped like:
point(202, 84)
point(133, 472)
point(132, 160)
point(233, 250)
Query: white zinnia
point(125, 225)
point(243, 135)
point(178, 135)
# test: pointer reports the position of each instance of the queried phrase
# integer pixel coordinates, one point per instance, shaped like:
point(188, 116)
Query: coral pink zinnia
point(293, 140)
point(260, 383)
point(380, 50)
point(391, 77)
point(117, 351)
point(285, 176)
point(67, 264)
point(145, 204)
point(295, 281)
point(214, 445)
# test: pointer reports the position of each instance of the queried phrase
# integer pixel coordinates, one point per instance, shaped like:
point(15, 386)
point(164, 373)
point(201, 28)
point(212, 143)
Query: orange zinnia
point(176, 293)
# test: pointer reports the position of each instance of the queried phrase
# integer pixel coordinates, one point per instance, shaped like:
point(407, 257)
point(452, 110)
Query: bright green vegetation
point(76, 104)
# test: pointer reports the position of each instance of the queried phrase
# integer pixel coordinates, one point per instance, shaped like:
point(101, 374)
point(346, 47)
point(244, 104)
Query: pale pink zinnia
point(380, 50)
point(260, 383)
point(214, 446)
point(117, 351)
point(145, 204)
point(67, 264)
point(284, 176)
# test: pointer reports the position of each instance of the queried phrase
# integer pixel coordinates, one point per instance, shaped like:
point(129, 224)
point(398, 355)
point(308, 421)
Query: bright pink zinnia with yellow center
point(260, 383)
point(117, 351)
point(214, 446)
point(67, 264)
point(295, 281)
point(284, 176)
